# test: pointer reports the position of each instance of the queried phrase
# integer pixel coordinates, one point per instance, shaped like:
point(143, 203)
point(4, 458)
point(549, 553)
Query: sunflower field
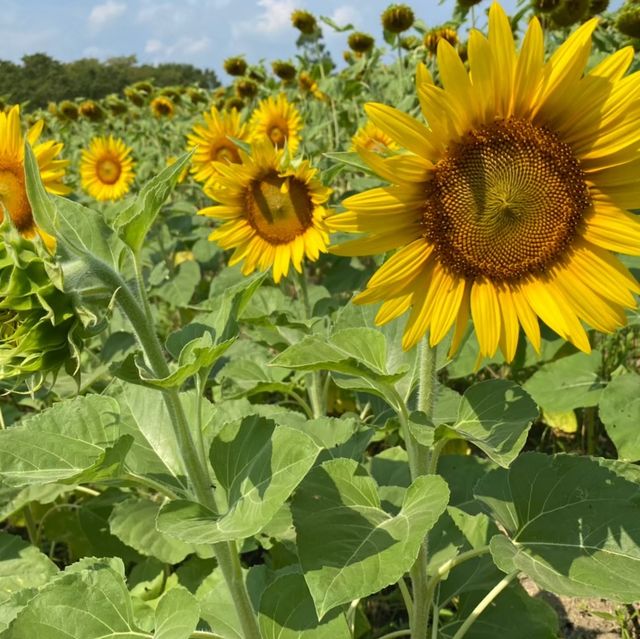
point(332, 351)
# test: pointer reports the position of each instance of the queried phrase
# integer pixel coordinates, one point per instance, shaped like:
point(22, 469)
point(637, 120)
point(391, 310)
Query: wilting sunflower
point(213, 142)
point(163, 107)
point(372, 138)
point(106, 168)
point(508, 206)
point(13, 194)
point(273, 213)
point(277, 120)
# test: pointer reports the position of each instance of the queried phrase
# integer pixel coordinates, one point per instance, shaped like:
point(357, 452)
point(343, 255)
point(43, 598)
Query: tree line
point(40, 79)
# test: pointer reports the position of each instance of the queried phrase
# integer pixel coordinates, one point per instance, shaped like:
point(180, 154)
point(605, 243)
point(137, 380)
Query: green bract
point(37, 320)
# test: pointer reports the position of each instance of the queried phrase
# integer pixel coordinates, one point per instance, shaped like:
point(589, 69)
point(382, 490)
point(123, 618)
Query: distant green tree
point(41, 79)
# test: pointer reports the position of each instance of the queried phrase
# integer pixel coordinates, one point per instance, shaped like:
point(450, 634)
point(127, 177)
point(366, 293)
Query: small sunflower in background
point(213, 142)
point(106, 169)
point(163, 107)
point(13, 193)
point(91, 110)
point(397, 18)
point(304, 21)
point(360, 42)
point(235, 66)
point(284, 70)
point(432, 38)
point(308, 85)
point(508, 208)
point(68, 110)
point(372, 138)
point(278, 121)
point(272, 213)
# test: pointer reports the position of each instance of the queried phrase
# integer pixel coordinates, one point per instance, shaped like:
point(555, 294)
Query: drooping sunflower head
point(115, 105)
point(213, 143)
point(360, 42)
point(397, 18)
point(134, 96)
point(569, 12)
point(598, 6)
point(13, 194)
point(196, 95)
point(233, 102)
point(235, 66)
point(284, 70)
point(433, 37)
point(163, 107)
point(246, 88)
point(272, 213)
point(68, 110)
point(410, 42)
point(304, 21)
point(546, 6)
point(628, 20)
point(371, 138)
point(508, 206)
point(106, 169)
point(143, 86)
point(276, 120)
point(91, 110)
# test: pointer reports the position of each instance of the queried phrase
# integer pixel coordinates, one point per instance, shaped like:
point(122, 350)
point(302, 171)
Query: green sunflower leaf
point(349, 547)
point(620, 414)
point(177, 614)
point(573, 524)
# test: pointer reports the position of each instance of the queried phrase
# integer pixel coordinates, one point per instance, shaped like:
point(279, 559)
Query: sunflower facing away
point(213, 143)
point(277, 120)
point(106, 168)
point(273, 214)
point(13, 194)
point(508, 204)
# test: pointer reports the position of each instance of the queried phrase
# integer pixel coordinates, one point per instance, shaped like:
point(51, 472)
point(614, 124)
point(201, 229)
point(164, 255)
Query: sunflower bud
point(304, 21)
point(569, 12)
point(38, 325)
point(235, 66)
point(91, 110)
point(397, 18)
point(628, 21)
point(246, 88)
point(68, 110)
point(360, 42)
point(284, 70)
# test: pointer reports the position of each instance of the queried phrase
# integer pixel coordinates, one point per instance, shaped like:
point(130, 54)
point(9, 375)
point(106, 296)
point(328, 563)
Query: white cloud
point(274, 18)
point(345, 14)
point(185, 46)
point(104, 13)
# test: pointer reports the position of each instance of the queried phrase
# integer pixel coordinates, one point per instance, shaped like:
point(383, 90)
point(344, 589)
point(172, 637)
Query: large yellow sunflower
point(213, 143)
point(508, 204)
point(106, 168)
point(277, 120)
point(273, 213)
point(13, 195)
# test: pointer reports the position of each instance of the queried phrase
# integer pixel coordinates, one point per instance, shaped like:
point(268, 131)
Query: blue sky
point(201, 32)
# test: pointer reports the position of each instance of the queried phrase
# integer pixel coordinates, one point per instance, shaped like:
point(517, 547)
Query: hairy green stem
point(195, 470)
point(314, 379)
point(480, 608)
point(396, 633)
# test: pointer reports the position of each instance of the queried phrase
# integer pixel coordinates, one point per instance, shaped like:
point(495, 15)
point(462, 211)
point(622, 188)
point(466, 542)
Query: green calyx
point(37, 320)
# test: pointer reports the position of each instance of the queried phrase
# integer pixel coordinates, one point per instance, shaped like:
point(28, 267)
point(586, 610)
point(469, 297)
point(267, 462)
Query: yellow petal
point(485, 311)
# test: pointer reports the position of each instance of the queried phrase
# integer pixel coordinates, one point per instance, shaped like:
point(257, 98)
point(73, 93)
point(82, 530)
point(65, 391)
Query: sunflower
point(372, 138)
point(13, 194)
point(162, 107)
point(273, 212)
point(213, 144)
point(507, 207)
point(106, 168)
point(277, 120)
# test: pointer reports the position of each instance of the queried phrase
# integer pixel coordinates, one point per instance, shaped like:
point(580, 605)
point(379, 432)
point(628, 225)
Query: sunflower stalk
point(226, 552)
point(314, 379)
